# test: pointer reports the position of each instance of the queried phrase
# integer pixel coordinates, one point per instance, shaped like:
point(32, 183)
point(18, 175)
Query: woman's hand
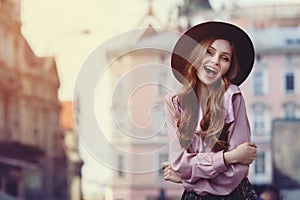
point(243, 154)
point(169, 174)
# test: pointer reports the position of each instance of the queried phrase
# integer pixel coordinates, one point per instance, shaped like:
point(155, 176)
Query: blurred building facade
point(271, 90)
point(71, 149)
point(32, 161)
point(138, 105)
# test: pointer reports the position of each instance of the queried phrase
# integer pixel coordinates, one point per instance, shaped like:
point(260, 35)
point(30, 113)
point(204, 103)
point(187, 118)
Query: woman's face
point(216, 62)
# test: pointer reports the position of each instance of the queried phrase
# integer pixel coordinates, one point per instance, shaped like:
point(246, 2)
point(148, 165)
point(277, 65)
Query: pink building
point(140, 80)
point(272, 91)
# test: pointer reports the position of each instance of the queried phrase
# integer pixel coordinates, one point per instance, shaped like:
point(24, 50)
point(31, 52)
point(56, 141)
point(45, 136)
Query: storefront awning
point(20, 152)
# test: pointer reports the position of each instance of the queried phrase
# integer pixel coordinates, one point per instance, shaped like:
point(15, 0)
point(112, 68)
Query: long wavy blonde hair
point(213, 130)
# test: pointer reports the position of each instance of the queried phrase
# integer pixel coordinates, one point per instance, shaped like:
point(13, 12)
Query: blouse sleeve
point(208, 173)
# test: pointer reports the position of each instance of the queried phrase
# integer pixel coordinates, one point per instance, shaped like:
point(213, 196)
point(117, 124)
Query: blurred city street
point(82, 92)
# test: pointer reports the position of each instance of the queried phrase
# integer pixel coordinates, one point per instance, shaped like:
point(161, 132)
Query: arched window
point(260, 83)
point(291, 110)
point(260, 118)
point(260, 165)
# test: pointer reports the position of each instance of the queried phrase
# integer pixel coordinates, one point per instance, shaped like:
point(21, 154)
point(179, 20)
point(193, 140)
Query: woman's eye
point(225, 58)
point(209, 52)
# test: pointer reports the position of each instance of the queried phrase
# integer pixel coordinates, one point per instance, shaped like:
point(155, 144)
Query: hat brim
point(187, 41)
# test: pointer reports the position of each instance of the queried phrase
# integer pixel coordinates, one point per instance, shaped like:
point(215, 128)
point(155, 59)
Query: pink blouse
point(202, 170)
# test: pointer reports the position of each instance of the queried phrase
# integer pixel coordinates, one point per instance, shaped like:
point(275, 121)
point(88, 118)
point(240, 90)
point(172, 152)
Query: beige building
point(32, 162)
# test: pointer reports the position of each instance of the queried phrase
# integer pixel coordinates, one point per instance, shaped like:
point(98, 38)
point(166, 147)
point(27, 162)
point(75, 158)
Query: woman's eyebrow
point(224, 52)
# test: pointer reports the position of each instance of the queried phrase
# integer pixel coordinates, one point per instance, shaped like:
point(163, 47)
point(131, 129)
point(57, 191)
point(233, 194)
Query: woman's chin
point(211, 81)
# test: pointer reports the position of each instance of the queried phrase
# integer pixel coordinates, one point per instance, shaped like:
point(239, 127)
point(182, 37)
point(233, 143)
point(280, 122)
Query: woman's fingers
point(164, 165)
point(167, 172)
point(252, 144)
point(170, 175)
point(247, 152)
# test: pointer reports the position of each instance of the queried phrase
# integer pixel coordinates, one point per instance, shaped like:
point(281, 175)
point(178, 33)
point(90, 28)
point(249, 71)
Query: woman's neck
point(202, 94)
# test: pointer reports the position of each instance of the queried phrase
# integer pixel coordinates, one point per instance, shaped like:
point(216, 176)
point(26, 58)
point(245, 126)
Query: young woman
point(210, 144)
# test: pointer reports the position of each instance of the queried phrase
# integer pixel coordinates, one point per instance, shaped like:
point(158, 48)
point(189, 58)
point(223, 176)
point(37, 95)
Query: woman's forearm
point(229, 158)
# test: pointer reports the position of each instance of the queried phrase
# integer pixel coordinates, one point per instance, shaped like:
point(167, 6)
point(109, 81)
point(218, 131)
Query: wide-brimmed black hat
point(243, 46)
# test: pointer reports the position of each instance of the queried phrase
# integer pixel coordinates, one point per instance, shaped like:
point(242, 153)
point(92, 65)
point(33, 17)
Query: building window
point(290, 110)
point(289, 83)
point(120, 115)
point(36, 135)
point(12, 185)
point(162, 79)
point(260, 118)
point(163, 157)
point(260, 83)
point(259, 165)
point(159, 120)
point(120, 165)
point(259, 123)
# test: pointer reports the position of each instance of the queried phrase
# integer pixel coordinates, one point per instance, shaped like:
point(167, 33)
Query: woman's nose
point(215, 59)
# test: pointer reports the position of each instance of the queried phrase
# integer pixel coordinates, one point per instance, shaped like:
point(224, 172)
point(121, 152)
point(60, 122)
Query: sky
point(57, 28)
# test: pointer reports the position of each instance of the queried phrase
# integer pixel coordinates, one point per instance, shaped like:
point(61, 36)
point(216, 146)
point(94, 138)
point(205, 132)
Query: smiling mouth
point(210, 70)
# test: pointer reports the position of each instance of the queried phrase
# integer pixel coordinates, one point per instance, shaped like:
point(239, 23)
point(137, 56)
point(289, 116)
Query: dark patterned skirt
point(244, 191)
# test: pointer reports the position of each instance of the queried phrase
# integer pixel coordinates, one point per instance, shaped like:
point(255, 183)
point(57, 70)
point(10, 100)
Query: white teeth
point(211, 69)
